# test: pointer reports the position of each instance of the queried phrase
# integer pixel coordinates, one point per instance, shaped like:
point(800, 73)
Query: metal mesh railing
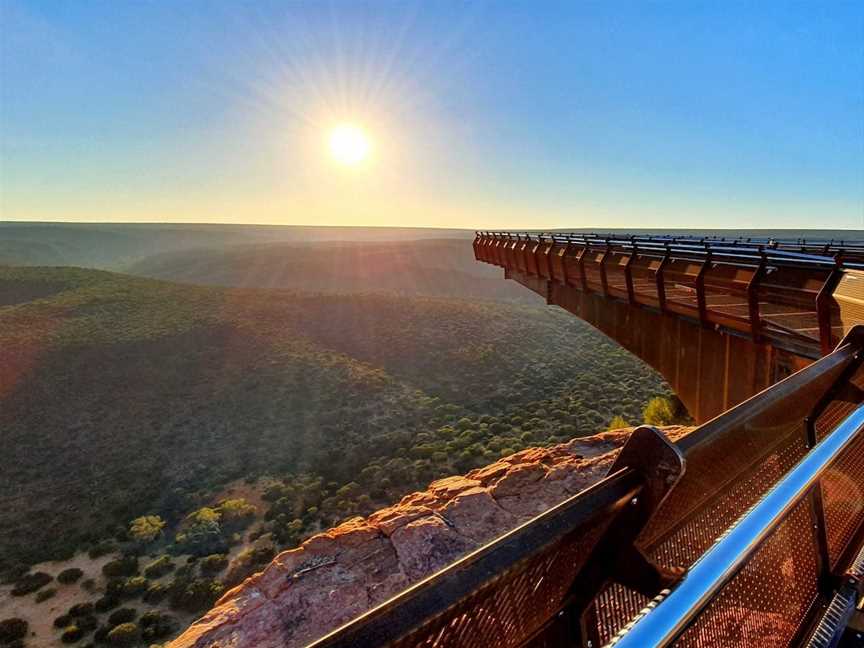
point(557, 580)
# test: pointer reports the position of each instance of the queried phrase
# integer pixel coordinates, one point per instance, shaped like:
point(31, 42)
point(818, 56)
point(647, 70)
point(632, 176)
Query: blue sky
point(496, 114)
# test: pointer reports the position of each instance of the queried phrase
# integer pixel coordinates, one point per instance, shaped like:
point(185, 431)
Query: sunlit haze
point(349, 145)
point(619, 114)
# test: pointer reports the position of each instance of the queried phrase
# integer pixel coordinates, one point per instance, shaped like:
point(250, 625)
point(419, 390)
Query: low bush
point(87, 623)
point(213, 564)
point(159, 567)
point(12, 629)
point(62, 621)
point(70, 575)
point(106, 603)
point(126, 566)
point(194, 595)
point(156, 593)
point(30, 583)
point(156, 625)
point(71, 634)
point(45, 594)
point(81, 609)
point(125, 634)
point(123, 615)
point(135, 586)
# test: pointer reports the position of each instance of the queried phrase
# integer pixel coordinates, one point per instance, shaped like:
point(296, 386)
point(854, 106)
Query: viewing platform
point(720, 318)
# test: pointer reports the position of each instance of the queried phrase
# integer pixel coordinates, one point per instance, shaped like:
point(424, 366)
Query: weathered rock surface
point(335, 576)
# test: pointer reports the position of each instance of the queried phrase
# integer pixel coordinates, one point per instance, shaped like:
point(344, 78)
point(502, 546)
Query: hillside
point(435, 267)
point(123, 396)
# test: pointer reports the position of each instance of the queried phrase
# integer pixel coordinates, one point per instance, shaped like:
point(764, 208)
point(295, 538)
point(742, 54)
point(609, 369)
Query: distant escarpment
point(337, 575)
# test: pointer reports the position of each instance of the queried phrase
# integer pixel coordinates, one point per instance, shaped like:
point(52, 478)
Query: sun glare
point(349, 144)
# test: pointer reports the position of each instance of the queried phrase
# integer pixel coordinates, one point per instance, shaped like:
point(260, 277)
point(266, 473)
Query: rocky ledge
point(335, 576)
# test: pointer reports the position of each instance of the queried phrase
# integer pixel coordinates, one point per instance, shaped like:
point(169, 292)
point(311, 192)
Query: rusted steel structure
point(746, 532)
point(720, 318)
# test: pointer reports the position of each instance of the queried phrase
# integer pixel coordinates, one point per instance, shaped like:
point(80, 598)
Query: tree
point(146, 528)
point(617, 423)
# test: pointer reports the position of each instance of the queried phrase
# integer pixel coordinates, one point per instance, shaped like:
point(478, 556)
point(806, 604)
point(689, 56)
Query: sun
point(349, 145)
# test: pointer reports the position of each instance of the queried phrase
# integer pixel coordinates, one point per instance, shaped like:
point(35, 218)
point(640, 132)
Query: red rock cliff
point(335, 576)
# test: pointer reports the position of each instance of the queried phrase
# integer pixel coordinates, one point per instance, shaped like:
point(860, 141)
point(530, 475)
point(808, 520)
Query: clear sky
point(497, 114)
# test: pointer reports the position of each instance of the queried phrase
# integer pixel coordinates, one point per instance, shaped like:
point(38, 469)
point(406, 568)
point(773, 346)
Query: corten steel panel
point(668, 339)
point(689, 357)
point(521, 256)
point(709, 370)
point(712, 374)
point(767, 602)
point(741, 368)
point(558, 264)
point(593, 271)
point(849, 299)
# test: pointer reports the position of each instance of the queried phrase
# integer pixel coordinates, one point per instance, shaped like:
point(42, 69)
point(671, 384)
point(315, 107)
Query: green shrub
point(87, 623)
point(156, 593)
point(30, 583)
point(88, 585)
point(81, 609)
point(156, 625)
point(213, 564)
point(62, 621)
point(125, 634)
point(194, 595)
point(105, 603)
point(146, 528)
point(45, 594)
point(71, 634)
point(70, 575)
point(159, 567)
point(123, 615)
point(135, 586)
point(126, 566)
point(12, 629)
point(617, 423)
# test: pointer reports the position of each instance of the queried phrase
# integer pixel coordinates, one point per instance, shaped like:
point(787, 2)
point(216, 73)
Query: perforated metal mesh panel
point(843, 498)
point(510, 610)
point(614, 607)
point(766, 602)
point(692, 536)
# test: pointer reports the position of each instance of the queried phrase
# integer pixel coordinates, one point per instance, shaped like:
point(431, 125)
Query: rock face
point(335, 576)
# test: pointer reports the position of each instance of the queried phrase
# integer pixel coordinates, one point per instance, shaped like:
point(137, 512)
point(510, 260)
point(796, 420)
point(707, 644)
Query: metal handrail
point(669, 619)
point(817, 253)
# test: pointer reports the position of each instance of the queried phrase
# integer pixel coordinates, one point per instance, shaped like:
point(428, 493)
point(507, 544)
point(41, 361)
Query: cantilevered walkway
point(720, 318)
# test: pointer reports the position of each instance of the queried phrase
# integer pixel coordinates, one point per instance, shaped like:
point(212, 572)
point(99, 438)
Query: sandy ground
point(40, 616)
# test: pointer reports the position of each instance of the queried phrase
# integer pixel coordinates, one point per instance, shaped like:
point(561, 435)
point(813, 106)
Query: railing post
point(823, 310)
point(661, 283)
point(603, 283)
point(700, 289)
point(628, 276)
point(753, 297)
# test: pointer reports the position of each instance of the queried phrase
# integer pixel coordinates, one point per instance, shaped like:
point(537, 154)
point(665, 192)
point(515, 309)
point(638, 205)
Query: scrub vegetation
point(127, 405)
